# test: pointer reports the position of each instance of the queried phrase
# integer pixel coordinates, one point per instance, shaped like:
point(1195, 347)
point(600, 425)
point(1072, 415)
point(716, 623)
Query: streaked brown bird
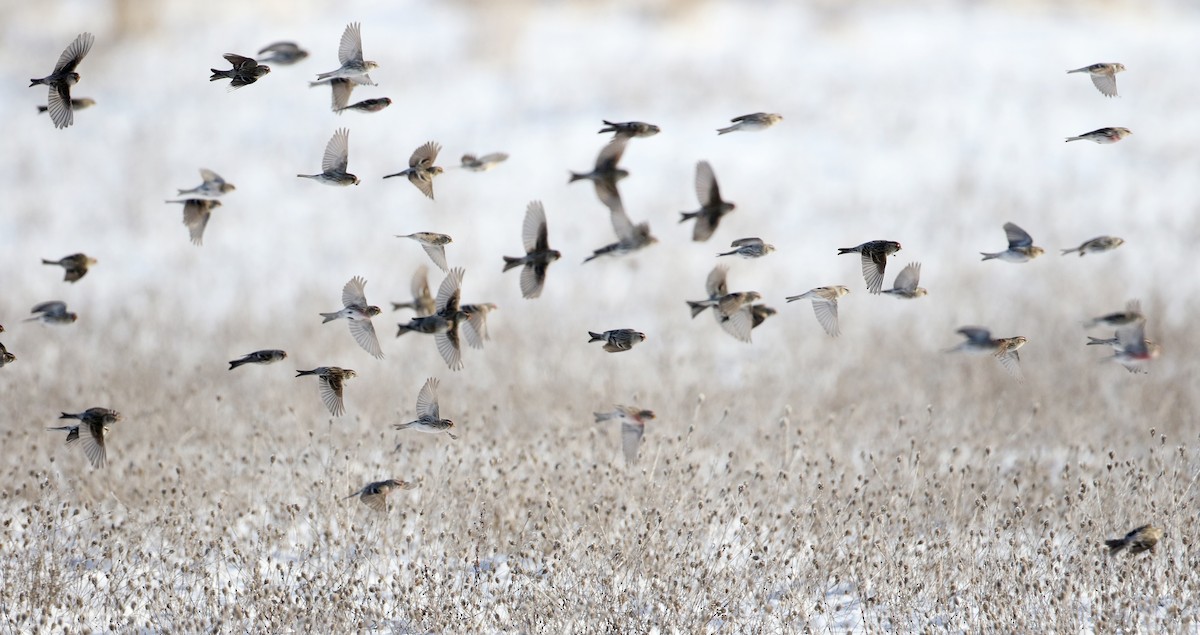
point(374, 495)
point(196, 212)
point(94, 423)
point(538, 254)
point(331, 382)
point(633, 427)
point(618, 340)
point(60, 81)
point(421, 170)
point(1144, 538)
point(874, 260)
point(429, 419)
point(76, 265)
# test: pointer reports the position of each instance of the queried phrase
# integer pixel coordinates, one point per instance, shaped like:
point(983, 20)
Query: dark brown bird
point(245, 71)
point(1143, 538)
point(712, 207)
point(63, 78)
point(538, 254)
point(76, 266)
point(95, 423)
point(874, 260)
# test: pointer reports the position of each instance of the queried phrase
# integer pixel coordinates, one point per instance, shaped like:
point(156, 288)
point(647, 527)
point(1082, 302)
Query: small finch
point(434, 245)
point(1103, 135)
point(1020, 246)
point(6, 357)
point(538, 254)
point(358, 313)
point(245, 71)
point(213, 186)
point(421, 169)
point(76, 266)
point(483, 163)
point(196, 212)
point(630, 129)
point(906, 283)
point(77, 103)
point(269, 356)
point(712, 207)
point(63, 78)
point(979, 341)
point(633, 427)
point(1144, 538)
point(443, 324)
point(756, 121)
point(1133, 350)
point(715, 286)
point(422, 300)
point(1131, 315)
point(1097, 245)
point(374, 495)
point(367, 105)
point(1104, 76)
point(335, 161)
point(605, 174)
point(749, 248)
point(52, 312)
point(286, 53)
point(630, 237)
point(874, 260)
point(618, 340)
point(428, 420)
point(331, 381)
point(475, 316)
point(350, 55)
point(824, 303)
point(734, 315)
point(95, 423)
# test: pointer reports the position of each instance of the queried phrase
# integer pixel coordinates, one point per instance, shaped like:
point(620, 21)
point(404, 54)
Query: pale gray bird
point(1004, 349)
point(52, 312)
point(630, 129)
point(213, 186)
point(268, 356)
point(618, 340)
point(374, 495)
point(749, 248)
point(483, 163)
point(906, 283)
point(874, 260)
point(335, 161)
point(434, 245)
point(633, 427)
point(825, 305)
point(94, 423)
point(429, 419)
point(350, 55)
point(286, 53)
point(196, 212)
point(538, 254)
point(76, 266)
point(331, 383)
point(422, 300)
point(366, 105)
point(630, 237)
point(1104, 76)
point(715, 286)
point(1020, 246)
point(421, 170)
point(751, 122)
point(340, 90)
point(358, 314)
point(712, 207)
point(1103, 135)
point(1097, 245)
point(63, 78)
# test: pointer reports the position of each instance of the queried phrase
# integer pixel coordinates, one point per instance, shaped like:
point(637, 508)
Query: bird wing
point(631, 439)
point(59, 105)
point(738, 324)
point(341, 92)
point(715, 285)
point(705, 225)
point(827, 314)
point(354, 293)
point(92, 436)
point(437, 253)
point(53, 307)
point(350, 47)
point(448, 292)
point(74, 53)
point(909, 277)
point(448, 346)
point(364, 333)
point(211, 177)
point(873, 264)
point(330, 387)
point(337, 152)
point(419, 287)
point(533, 230)
point(975, 334)
point(424, 182)
point(196, 213)
point(742, 242)
point(622, 225)
point(1010, 360)
point(533, 278)
point(706, 185)
point(424, 156)
point(1017, 237)
point(1106, 83)
point(611, 153)
point(427, 401)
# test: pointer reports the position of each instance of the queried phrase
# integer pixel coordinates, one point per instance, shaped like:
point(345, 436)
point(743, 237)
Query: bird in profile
point(52, 312)
point(75, 266)
point(358, 314)
point(245, 71)
point(1103, 135)
point(618, 340)
point(443, 324)
point(331, 381)
point(60, 81)
point(716, 286)
point(483, 163)
point(1097, 245)
point(748, 248)
point(422, 300)
point(196, 212)
point(286, 53)
point(421, 170)
point(213, 186)
point(429, 419)
point(735, 315)
point(752, 122)
point(335, 162)
point(1104, 76)
point(1004, 349)
point(538, 254)
point(77, 103)
point(269, 356)
point(605, 174)
point(374, 495)
point(434, 245)
point(1144, 538)
point(633, 427)
point(1020, 246)
point(630, 129)
point(906, 283)
point(92, 430)
point(712, 207)
point(825, 305)
point(874, 260)
point(630, 237)
point(350, 55)
point(1118, 319)
point(366, 105)
point(1132, 350)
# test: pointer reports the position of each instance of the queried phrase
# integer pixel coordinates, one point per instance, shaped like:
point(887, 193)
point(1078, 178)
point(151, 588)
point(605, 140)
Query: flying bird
point(245, 71)
point(196, 212)
point(421, 169)
point(633, 427)
point(1020, 246)
point(712, 207)
point(748, 248)
point(752, 122)
point(618, 340)
point(483, 163)
point(538, 254)
point(52, 312)
point(331, 381)
point(1104, 76)
point(735, 315)
point(715, 286)
point(906, 283)
point(1144, 538)
point(358, 313)
point(286, 53)
point(1103, 135)
point(980, 341)
point(75, 266)
point(94, 423)
point(374, 495)
point(606, 173)
point(335, 161)
point(874, 260)
point(630, 237)
point(422, 300)
point(630, 129)
point(429, 419)
point(60, 81)
point(825, 305)
point(1097, 245)
point(350, 55)
point(269, 356)
point(474, 316)
point(443, 324)
point(434, 245)
point(366, 105)
point(213, 186)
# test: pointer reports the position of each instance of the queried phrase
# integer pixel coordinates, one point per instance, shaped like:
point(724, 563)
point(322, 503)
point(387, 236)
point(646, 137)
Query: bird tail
point(596, 337)
point(688, 216)
point(1097, 341)
point(403, 426)
point(603, 416)
point(301, 373)
point(404, 328)
point(238, 362)
point(575, 176)
point(216, 74)
point(67, 415)
point(325, 75)
point(721, 131)
point(329, 317)
point(845, 250)
point(697, 308)
point(512, 263)
point(1067, 251)
point(987, 256)
point(608, 127)
point(396, 174)
point(35, 82)
point(1070, 139)
point(49, 262)
point(1115, 544)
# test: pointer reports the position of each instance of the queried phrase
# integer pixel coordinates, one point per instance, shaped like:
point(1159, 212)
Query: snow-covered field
point(865, 483)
